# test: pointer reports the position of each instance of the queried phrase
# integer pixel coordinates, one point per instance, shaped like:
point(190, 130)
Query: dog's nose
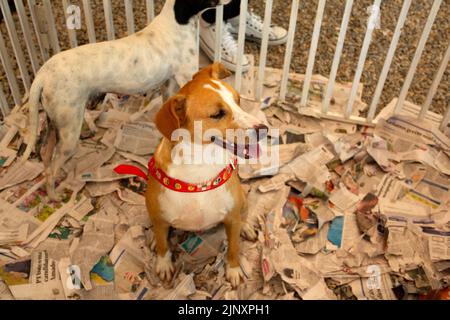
point(261, 131)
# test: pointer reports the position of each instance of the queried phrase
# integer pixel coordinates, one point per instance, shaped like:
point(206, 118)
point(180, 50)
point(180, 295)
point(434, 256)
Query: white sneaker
point(253, 32)
point(229, 45)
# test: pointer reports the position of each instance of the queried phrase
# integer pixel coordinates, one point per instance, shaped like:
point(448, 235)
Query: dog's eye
point(219, 115)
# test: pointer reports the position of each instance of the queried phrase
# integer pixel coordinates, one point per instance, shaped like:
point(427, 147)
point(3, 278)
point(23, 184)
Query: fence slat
point(289, 48)
point(264, 49)
point(150, 10)
point(312, 52)
point(109, 20)
point(388, 61)
point(337, 55)
point(130, 16)
point(445, 119)
point(72, 34)
point(10, 75)
point(335, 116)
point(44, 53)
point(417, 55)
point(362, 58)
point(219, 33)
point(89, 21)
point(54, 41)
point(20, 59)
point(197, 40)
point(241, 42)
point(4, 108)
point(27, 35)
point(435, 85)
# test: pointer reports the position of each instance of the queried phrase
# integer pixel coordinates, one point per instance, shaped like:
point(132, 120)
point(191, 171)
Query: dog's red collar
point(175, 184)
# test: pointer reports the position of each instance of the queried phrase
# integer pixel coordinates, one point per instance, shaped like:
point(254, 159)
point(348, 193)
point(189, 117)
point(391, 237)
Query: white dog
point(165, 51)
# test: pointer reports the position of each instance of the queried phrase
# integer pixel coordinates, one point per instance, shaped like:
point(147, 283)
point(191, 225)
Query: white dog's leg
point(90, 123)
point(68, 133)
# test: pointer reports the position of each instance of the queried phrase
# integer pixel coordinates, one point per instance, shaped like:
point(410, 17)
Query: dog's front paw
point(234, 276)
point(248, 232)
point(164, 267)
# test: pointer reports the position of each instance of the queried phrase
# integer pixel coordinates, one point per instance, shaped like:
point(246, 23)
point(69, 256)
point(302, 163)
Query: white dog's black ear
point(218, 71)
point(171, 116)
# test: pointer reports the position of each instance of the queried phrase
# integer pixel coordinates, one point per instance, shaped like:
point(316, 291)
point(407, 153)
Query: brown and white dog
point(214, 103)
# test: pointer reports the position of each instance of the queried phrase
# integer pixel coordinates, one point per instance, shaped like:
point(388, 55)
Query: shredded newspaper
point(348, 212)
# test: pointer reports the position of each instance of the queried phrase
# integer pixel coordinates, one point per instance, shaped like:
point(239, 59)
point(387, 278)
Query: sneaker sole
point(230, 66)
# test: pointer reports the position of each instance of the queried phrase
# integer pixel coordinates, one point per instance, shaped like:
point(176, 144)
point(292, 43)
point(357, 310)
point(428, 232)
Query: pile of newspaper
point(349, 212)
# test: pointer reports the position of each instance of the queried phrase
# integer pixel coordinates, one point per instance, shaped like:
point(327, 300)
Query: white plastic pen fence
point(312, 53)
point(109, 20)
point(3, 102)
point(150, 10)
point(130, 16)
point(388, 60)
point(241, 43)
point(418, 55)
point(27, 35)
point(10, 75)
point(337, 55)
point(371, 24)
point(289, 48)
point(89, 21)
point(15, 44)
point(219, 32)
point(264, 48)
point(446, 118)
point(41, 40)
point(70, 30)
point(52, 31)
point(435, 84)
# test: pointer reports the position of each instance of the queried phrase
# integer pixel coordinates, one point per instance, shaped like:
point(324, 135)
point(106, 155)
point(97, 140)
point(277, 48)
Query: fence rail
point(43, 29)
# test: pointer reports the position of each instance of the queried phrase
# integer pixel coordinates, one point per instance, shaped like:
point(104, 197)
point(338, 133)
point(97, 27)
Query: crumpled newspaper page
point(347, 212)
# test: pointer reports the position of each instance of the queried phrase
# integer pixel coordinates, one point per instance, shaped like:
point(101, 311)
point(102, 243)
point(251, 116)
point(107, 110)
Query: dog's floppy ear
point(171, 116)
point(218, 71)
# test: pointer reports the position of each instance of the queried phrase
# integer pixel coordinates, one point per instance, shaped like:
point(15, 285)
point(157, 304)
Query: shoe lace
point(258, 22)
point(228, 41)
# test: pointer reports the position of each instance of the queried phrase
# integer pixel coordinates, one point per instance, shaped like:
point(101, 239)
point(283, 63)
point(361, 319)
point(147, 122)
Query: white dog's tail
point(33, 110)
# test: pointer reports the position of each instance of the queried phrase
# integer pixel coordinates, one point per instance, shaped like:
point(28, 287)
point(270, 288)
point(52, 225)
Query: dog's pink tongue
point(242, 151)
